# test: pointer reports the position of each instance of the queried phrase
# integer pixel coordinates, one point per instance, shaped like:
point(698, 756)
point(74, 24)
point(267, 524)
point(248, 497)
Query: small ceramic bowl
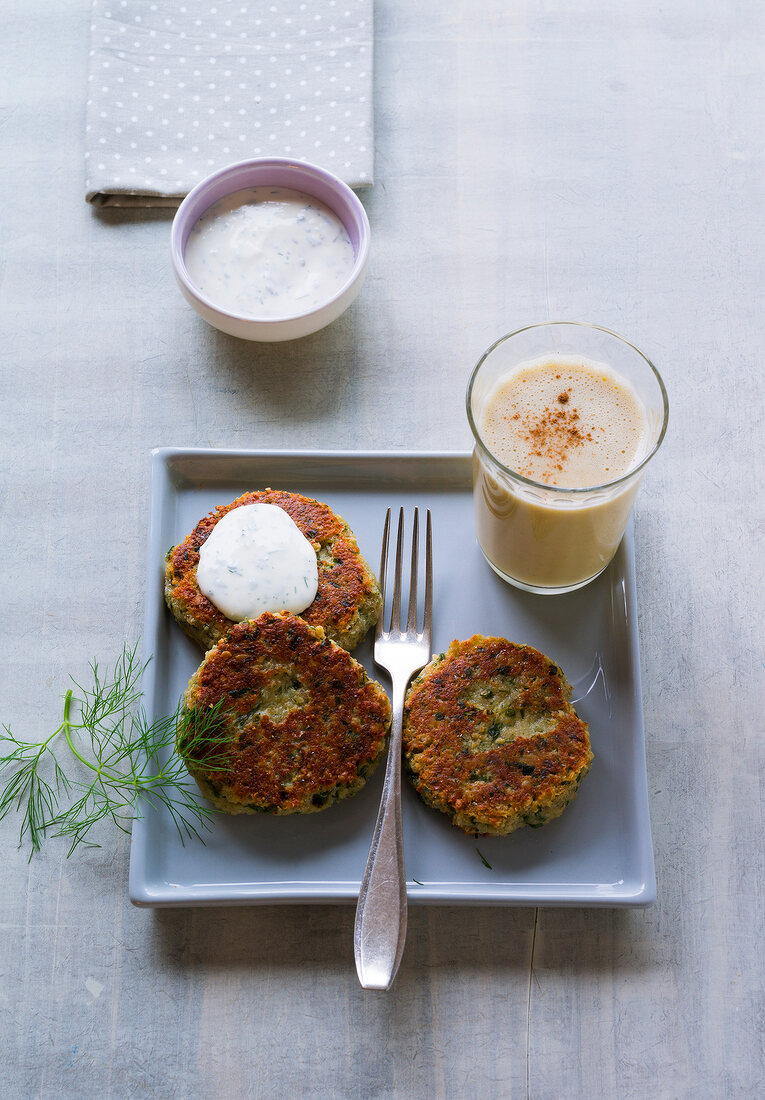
point(275, 172)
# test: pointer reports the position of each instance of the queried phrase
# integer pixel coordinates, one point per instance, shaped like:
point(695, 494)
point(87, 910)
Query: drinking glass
point(539, 537)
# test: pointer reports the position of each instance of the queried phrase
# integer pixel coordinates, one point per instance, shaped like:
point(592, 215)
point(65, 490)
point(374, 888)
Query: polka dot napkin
point(177, 90)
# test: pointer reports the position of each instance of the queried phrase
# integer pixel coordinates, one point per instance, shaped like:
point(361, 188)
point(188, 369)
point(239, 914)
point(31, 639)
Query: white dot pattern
point(176, 91)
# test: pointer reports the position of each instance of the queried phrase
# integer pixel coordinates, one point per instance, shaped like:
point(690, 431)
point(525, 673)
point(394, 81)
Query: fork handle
point(380, 929)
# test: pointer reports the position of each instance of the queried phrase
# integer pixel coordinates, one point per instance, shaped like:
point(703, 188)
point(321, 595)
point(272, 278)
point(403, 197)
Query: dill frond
point(120, 752)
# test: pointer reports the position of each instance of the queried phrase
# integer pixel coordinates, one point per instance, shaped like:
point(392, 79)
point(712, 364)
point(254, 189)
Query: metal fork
point(380, 929)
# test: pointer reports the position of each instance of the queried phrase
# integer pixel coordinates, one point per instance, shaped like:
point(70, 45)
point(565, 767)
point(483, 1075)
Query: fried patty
point(296, 723)
point(348, 597)
point(491, 739)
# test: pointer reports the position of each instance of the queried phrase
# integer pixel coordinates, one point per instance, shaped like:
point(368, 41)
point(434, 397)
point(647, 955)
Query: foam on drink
point(568, 422)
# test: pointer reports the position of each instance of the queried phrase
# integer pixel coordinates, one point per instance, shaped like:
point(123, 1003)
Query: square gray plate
point(598, 853)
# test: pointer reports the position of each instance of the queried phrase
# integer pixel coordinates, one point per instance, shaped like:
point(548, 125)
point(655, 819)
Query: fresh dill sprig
point(484, 860)
point(121, 755)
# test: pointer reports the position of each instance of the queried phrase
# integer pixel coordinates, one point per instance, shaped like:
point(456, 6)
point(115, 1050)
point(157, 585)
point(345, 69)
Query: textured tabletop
point(572, 159)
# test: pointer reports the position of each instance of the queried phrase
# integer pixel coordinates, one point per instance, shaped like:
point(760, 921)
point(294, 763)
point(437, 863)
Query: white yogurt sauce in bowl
point(257, 559)
point(344, 226)
point(269, 253)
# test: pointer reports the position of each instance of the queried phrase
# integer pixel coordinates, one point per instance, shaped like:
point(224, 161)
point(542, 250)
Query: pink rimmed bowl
point(275, 172)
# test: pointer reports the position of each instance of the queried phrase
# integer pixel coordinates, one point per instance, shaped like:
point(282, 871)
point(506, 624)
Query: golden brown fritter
point(299, 723)
point(348, 598)
point(491, 739)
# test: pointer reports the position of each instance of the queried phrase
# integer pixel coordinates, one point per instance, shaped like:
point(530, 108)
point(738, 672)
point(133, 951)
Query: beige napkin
point(178, 88)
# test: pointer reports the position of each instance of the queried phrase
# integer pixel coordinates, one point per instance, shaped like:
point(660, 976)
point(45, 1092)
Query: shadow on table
point(466, 1007)
point(122, 215)
point(441, 941)
point(292, 381)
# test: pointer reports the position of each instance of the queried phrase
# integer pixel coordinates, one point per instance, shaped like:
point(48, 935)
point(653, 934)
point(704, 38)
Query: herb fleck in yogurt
point(269, 252)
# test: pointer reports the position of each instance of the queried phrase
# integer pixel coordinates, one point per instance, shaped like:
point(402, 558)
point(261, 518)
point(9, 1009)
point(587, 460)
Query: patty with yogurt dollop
point(348, 597)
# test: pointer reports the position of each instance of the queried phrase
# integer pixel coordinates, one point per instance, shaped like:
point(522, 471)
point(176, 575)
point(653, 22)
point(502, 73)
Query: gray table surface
point(546, 159)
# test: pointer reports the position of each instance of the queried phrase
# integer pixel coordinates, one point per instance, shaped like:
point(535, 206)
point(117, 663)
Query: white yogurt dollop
point(269, 252)
point(256, 559)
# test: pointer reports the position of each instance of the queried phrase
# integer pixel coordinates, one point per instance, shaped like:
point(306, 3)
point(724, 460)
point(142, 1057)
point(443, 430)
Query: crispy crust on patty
point(348, 598)
point(491, 739)
point(299, 724)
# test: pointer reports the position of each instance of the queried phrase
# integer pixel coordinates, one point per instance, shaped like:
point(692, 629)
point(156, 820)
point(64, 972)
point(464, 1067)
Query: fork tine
point(395, 612)
point(383, 571)
point(428, 616)
point(411, 622)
